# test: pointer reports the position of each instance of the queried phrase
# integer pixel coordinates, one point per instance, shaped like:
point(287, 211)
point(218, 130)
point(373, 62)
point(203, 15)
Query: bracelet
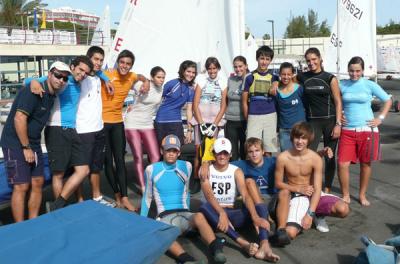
point(338, 123)
point(310, 213)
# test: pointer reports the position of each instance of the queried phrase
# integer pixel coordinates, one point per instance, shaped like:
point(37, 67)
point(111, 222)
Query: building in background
point(68, 14)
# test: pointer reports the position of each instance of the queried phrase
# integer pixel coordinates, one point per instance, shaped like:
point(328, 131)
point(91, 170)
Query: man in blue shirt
point(20, 141)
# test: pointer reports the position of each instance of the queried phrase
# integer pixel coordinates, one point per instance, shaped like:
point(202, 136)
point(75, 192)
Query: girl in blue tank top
point(290, 104)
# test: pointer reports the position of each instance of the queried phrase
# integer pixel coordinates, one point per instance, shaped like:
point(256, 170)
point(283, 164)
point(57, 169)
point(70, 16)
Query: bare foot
point(346, 199)
point(251, 249)
point(364, 201)
point(265, 253)
point(118, 200)
point(127, 204)
point(268, 256)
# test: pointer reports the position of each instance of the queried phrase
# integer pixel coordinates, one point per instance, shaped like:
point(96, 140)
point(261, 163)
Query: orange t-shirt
point(113, 104)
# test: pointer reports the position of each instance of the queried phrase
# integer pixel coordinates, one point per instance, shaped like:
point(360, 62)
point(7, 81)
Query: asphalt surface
point(341, 245)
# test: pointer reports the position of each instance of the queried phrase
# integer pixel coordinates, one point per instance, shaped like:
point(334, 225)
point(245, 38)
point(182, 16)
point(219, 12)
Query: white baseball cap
point(222, 144)
point(60, 66)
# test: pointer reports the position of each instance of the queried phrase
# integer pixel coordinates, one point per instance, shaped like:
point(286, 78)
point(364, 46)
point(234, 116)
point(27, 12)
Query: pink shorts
point(358, 146)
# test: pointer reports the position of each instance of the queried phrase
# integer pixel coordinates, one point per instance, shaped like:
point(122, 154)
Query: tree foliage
point(266, 36)
point(303, 27)
point(391, 28)
point(12, 10)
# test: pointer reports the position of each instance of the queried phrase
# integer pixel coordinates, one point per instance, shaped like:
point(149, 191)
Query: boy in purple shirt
point(258, 106)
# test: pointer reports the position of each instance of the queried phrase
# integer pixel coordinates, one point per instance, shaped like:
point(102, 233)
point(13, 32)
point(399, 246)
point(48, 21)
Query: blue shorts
point(18, 170)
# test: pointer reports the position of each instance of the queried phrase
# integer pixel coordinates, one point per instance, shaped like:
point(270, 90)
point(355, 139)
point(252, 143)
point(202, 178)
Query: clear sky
point(257, 12)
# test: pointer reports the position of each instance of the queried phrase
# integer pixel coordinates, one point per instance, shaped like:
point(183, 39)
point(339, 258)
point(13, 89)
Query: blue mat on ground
point(87, 232)
point(6, 189)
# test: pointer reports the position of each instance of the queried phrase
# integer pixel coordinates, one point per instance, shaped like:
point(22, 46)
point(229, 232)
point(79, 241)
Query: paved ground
point(341, 245)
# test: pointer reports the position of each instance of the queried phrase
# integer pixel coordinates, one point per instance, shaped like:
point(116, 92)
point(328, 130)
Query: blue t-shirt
point(38, 111)
point(264, 175)
point(168, 185)
point(290, 107)
point(175, 95)
point(356, 97)
point(66, 105)
point(260, 105)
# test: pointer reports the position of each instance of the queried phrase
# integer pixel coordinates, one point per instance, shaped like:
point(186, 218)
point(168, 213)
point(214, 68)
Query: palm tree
point(11, 10)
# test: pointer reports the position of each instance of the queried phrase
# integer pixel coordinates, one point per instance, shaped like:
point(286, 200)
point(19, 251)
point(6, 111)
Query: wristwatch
point(310, 213)
point(381, 117)
point(27, 146)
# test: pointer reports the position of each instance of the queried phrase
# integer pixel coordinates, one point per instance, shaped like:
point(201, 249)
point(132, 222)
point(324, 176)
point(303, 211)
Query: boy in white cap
point(225, 182)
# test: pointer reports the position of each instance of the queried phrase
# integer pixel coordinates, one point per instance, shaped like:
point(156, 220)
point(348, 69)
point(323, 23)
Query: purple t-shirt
point(260, 104)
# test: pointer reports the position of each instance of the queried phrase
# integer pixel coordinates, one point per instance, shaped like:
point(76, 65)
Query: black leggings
point(235, 131)
point(115, 152)
point(324, 127)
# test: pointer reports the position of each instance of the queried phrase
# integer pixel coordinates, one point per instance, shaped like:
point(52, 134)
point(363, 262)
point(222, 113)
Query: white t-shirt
point(223, 185)
point(89, 115)
point(144, 109)
point(211, 96)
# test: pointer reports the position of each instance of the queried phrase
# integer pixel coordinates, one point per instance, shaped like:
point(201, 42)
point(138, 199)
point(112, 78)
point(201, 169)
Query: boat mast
point(338, 40)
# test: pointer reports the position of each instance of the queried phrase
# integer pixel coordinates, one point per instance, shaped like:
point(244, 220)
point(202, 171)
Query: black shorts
point(165, 129)
point(94, 146)
point(64, 148)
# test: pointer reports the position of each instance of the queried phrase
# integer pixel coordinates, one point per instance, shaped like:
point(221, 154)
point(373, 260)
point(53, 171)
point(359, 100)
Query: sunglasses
point(60, 76)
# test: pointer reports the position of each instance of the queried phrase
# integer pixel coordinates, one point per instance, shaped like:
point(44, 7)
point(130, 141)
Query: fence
point(50, 37)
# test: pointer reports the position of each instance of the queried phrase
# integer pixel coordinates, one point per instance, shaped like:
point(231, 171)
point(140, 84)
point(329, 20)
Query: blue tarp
point(6, 189)
point(87, 232)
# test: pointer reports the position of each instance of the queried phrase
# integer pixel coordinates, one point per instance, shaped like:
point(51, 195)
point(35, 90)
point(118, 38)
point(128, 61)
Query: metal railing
point(10, 35)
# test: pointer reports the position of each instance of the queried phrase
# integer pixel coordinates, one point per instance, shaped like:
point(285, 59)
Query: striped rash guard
point(168, 184)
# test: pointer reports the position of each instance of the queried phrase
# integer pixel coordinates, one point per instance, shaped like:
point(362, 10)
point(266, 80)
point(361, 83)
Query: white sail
point(250, 52)
point(356, 37)
point(165, 33)
point(102, 33)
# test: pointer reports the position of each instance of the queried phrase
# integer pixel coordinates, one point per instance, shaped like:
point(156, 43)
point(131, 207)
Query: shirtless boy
point(298, 176)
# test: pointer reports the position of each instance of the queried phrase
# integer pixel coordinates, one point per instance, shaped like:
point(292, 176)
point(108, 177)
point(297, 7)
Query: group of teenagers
point(259, 113)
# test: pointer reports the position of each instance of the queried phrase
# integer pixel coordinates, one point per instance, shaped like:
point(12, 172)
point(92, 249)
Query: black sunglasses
point(60, 76)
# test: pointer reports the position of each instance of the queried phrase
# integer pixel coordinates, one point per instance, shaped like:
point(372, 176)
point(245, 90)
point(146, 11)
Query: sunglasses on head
point(60, 76)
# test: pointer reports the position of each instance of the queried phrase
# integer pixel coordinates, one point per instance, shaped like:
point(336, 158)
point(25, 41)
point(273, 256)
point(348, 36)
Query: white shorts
point(297, 210)
point(181, 220)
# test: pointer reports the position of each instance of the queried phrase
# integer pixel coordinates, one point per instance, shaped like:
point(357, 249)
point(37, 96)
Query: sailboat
point(165, 33)
point(353, 34)
point(102, 33)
